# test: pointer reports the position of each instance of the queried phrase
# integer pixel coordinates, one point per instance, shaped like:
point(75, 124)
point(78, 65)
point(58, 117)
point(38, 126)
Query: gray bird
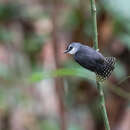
point(92, 60)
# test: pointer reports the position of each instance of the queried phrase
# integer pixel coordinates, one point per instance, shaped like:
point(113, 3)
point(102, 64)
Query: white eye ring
point(73, 51)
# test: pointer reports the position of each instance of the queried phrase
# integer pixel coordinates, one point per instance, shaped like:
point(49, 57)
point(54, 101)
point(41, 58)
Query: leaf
point(77, 72)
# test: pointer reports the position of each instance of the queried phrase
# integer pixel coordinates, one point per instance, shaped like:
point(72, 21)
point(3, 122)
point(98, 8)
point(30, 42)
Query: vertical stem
point(94, 20)
point(102, 106)
point(99, 87)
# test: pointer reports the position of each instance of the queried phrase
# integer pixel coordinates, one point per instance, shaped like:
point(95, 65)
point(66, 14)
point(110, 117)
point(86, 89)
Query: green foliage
point(4, 72)
point(32, 46)
point(2, 98)
point(36, 77)
point(73, 18)
point(54, 125)
point(33, 43)
point(48, 125)
point(5, 35)
point(8, 11)
point(77, 72)
point(74, 127)
point(72, 2)
point(118, 8)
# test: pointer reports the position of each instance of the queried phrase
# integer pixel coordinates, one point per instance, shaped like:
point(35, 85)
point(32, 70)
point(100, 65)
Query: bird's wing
point(89, 60)
point(91, 54)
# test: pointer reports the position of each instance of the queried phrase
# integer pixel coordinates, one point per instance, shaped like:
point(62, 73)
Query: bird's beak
point(66, 51)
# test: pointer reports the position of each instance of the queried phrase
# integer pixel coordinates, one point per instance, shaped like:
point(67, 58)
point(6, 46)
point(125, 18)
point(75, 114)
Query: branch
point(102, 106)
point(94, 20)
point(99, 87)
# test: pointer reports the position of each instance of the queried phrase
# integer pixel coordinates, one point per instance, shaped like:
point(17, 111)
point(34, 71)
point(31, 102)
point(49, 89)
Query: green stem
point(94, 20)
point(102, 106)
point(99, 87)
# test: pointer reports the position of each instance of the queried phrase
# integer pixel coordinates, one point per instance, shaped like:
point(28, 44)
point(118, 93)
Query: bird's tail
point(106, 69)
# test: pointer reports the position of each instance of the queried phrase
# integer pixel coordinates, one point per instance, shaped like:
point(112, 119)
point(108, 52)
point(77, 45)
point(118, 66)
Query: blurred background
point(41, 88)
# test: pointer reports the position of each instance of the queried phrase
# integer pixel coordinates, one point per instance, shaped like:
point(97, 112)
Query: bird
point(92, 60)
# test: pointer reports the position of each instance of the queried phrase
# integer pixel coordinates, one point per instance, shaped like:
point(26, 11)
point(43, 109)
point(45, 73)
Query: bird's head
point(72, 48)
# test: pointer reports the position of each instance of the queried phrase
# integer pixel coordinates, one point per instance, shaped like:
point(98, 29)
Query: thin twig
point(99, 87)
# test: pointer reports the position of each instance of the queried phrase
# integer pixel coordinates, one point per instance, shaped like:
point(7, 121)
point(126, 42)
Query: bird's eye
point(70, 48)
